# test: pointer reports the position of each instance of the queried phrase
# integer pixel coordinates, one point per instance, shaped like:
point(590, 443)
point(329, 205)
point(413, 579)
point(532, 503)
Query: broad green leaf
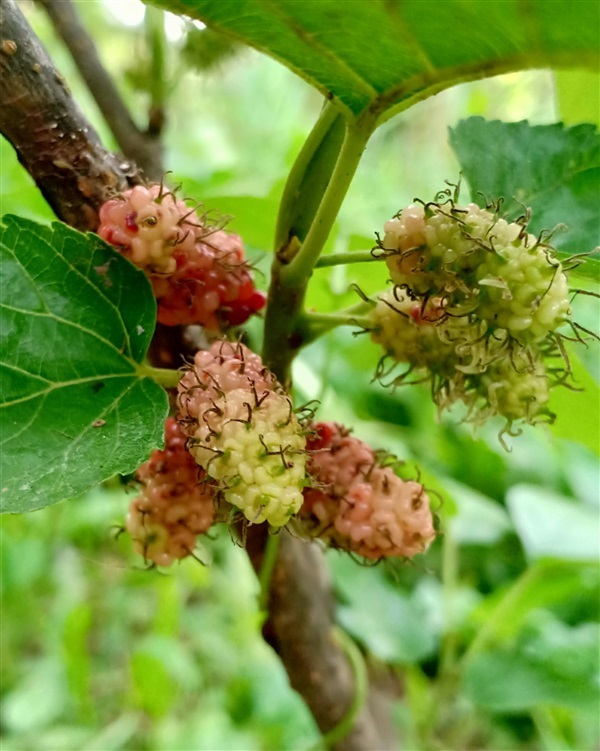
point(76, 321)
point(394, 626)
point(551, 169)
point(508, 682)
point(551, 526)
point(545, 584)
point(550, 664)
point(381, 53)
point(479, 520)
point(578, 96)
point(578, 412)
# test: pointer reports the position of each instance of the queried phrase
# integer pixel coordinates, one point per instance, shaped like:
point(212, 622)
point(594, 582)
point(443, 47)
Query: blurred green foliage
point(490, 641)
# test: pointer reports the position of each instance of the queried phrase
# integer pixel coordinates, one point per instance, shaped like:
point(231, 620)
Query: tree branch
point(143, 147)
point(300, 628)
point(53, 140)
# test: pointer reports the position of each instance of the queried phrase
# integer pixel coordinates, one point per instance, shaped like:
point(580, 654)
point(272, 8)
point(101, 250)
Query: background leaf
point(553, 527)
point(384, 53)
point(578, 410)
point(395, 626)
point(550, 168)
point(578, 96)
point(76, 319)
point(535, 673)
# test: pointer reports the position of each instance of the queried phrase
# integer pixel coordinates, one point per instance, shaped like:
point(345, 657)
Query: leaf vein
point(67, 384)
point(72, 324)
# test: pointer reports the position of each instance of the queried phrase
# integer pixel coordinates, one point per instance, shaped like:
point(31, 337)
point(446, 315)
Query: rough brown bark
point(52, 138)
point(300, 629)
point(75, 173)
point(143, 147)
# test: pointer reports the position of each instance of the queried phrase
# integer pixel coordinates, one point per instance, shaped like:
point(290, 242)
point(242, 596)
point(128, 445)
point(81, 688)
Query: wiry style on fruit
point(409, 332)
point(175, 505)
point(358, 504)
point(480, 265)
point(517, 390)
point(243, 432)
point(198, 272)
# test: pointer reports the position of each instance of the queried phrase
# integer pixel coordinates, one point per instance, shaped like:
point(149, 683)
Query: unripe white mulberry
point(242, 430)
point(523, 290)
point(410, 332)
point(516, 390)
point(479, 265)
point(475, 308)
point(359, 505)
point(176, 503)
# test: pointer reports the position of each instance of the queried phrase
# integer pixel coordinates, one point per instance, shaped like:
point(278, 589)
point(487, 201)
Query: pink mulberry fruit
point(359, 505)
point(176, 503)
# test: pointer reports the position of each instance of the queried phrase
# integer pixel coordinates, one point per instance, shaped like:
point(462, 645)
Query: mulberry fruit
point(147, 225)
point(243, 432)
point(480, 265)
point(176, 503)
point(360, 505)
point(198, 272)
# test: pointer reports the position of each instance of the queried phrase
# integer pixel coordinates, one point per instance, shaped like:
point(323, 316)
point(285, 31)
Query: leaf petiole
point(297, 273)
point(342, 259)
point(163, 376)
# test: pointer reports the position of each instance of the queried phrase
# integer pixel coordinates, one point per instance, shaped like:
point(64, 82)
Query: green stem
point(266, 571)
point(154, 22)
point(504, 607)
point(361, 687)
point(163, 376)
point(549, 730)
point(289, 281)
point(311, 326)
point(297, 273)
point(309, 177)
point(517, 597)
point(343, 259)
point(450, 583)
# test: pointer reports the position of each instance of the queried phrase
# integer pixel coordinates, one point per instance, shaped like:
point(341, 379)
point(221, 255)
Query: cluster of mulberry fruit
point(357, 503)
point(198, 271)
point(238, 440)
point(474, 309)
point(243, 432)
point(175, 504)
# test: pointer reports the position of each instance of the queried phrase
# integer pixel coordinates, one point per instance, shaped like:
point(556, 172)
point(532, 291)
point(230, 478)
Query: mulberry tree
point(138, 339)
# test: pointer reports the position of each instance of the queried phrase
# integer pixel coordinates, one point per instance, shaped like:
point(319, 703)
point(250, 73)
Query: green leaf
point(394, 626)
point(577, 411)
point(507, 682)
point(378, 54)
point(76, 319)
point(578, 96)
point(545, 584)
point(552, 526)
point(479, 520)
point(551, 169)
point(550, 664)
